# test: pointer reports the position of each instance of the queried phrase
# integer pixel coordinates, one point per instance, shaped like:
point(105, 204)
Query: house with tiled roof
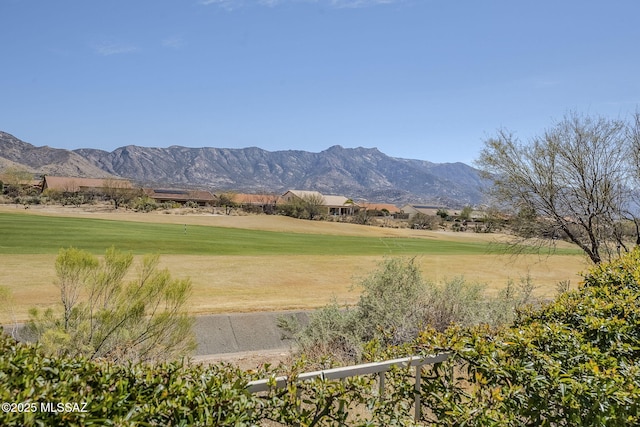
point(412, 210)
point(164, 195)
point(383, 208)
point(332, 204)
point(266, 203)
point(68, 184)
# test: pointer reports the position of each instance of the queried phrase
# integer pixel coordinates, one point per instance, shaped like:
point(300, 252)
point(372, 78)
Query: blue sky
point(419, 79)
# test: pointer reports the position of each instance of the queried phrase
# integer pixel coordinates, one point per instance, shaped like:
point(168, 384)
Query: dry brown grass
point(263, 283)
point(257, 283)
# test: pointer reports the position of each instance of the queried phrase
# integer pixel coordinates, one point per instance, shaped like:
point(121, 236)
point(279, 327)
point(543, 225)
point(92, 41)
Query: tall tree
point(578, 177)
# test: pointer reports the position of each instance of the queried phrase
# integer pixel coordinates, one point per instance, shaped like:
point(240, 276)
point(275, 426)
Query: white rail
point(356, 370)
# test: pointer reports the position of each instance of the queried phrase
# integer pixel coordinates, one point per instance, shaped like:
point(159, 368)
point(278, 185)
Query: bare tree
point(578, 179)
point(226, 200)
point(633, 134)
point(313, 203)
point(15, 181)
point(119, 191)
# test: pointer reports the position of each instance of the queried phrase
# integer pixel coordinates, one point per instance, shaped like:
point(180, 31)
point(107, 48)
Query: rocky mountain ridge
point(358, 173)
point(45, 160)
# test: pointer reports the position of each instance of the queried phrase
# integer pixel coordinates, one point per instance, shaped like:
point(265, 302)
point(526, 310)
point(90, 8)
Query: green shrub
point(144, 204)
point(104, 316)
point(394, 306)
point(75, 199)
point(120, 395)
point(575, 361)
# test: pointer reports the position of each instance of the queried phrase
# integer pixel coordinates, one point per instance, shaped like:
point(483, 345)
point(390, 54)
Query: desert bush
point(295, 208)
point(393, 302)
point(27, 200)
point(425, 222)
point(75, 199)
point(394, 306)
point(103, 316)
point(362, 217)
point(52, 195)
point(12, 191)
point(144, 204)
point(455, 301)
point(330, 331)
point(391, 309)
point(307, 207)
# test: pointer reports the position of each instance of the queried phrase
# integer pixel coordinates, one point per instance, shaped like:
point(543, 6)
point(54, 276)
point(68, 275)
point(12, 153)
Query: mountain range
point(358, 173)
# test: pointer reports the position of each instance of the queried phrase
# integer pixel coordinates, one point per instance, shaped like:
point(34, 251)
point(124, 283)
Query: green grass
point(32, 234)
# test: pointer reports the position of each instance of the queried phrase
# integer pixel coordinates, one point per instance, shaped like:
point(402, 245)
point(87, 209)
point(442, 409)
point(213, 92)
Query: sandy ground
point(249, 360)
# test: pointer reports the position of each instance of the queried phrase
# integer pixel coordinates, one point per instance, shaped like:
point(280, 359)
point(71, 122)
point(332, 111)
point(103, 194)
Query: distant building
point(266, 203)
point(412, 210)
point(380, 208)
point(333, 205)
point(161, 195)
point(67, 184)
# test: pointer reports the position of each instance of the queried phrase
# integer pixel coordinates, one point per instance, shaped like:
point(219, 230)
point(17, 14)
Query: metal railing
point(379, 368)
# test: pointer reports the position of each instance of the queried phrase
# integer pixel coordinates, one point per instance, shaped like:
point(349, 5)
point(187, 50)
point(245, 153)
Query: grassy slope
point(33, 234)
point(260, 266)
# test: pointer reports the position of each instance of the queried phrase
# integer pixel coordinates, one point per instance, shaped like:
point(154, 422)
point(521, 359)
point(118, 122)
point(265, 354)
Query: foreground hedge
point(573, 362)
point(90, 393)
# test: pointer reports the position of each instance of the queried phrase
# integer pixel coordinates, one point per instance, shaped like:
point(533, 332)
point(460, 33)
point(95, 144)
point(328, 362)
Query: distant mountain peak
point(357, 173)
point(46, 160)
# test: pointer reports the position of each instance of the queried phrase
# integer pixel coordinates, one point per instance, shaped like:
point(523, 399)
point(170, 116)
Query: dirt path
point(248, 360)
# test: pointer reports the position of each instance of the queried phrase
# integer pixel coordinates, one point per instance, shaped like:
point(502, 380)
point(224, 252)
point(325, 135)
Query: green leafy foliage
point(309, 206)
point(104, 316)
point(572, 362)
point(120, 395)
point(144, 204)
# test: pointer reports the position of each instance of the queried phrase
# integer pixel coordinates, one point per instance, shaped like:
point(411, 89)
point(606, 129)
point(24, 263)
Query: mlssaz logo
point(53, 407)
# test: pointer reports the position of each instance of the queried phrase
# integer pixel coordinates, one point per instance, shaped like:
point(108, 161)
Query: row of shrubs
point(139, 204)
point(574, 361)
